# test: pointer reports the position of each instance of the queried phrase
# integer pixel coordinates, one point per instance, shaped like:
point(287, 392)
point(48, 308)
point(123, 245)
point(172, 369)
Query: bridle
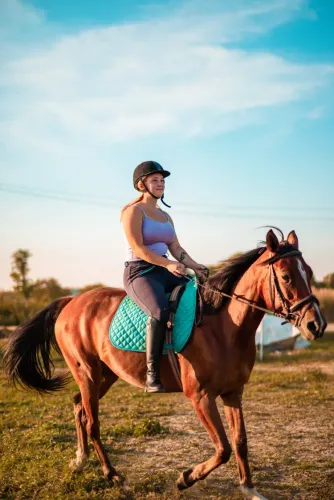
point(289, 313)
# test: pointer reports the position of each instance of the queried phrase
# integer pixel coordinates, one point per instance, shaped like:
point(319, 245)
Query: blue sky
point(234, 98)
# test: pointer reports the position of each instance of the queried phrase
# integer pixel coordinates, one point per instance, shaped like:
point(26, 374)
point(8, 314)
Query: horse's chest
point(233, 374)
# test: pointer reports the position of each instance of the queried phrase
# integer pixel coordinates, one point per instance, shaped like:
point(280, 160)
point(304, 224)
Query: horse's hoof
point(76, 466)
point(114, 477)
point(118, 478)
point(251, 493)
point(73, 465)
point(183, 482)
point(109, 477)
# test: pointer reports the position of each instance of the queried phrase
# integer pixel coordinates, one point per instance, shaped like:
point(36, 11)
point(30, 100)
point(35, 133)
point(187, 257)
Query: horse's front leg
point(207, 411)
point(235, 419)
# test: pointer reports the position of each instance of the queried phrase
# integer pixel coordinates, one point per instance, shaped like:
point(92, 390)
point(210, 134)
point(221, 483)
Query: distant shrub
point(326, 298)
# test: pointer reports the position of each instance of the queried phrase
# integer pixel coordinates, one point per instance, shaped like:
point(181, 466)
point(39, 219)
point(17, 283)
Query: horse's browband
point(280, 255)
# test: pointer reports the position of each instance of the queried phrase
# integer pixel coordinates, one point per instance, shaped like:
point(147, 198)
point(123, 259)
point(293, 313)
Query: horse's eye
point(286, 278)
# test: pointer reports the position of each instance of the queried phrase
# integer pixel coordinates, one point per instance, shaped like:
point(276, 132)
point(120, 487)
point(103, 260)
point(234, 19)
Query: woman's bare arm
point(179, 253)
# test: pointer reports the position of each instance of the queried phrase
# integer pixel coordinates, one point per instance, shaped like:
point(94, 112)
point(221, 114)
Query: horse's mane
point(228, 276)
point(226, 279)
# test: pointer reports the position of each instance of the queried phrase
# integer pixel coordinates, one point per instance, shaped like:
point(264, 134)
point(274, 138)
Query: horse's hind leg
point(81, 421)
point(83, 450)
point(92, 389)
point(207, 411)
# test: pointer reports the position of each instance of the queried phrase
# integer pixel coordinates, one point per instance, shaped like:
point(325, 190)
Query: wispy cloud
point(15, 13)
point(177, 74)
point(316, 113)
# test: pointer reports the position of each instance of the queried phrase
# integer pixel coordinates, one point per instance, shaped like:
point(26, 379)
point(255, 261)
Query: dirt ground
point(288, 408)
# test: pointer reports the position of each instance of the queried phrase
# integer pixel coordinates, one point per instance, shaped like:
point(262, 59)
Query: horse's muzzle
point(314, 329)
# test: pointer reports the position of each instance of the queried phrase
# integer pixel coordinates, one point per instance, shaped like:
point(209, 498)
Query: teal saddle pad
point(128, 327)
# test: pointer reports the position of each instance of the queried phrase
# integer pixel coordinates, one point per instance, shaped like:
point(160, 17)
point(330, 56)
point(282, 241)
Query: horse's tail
point(27, 358)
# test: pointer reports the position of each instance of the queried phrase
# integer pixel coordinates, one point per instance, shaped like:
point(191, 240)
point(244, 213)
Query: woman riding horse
point(149, 274)
point(216, 362)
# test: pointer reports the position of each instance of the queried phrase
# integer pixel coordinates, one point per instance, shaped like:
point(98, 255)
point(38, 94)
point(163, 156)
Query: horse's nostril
point(312, 326)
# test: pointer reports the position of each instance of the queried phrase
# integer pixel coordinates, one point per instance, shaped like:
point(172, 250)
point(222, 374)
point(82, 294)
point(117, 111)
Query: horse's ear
point(293, 239)
point(272, 241)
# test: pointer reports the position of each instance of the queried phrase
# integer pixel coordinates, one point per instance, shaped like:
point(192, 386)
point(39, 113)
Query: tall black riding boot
point(155, 339)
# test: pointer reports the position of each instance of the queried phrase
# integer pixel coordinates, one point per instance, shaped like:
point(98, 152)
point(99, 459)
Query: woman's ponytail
point(137, 200)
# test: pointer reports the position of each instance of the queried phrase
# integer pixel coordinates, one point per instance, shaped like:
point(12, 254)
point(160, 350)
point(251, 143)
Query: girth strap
point(174, 300)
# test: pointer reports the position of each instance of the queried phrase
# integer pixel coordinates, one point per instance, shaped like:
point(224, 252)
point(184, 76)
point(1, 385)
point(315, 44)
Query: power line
point(265, 214)
point(37, 193)
point(258, 207)
point(21, 188)
point(228, 211)
point(87, 198)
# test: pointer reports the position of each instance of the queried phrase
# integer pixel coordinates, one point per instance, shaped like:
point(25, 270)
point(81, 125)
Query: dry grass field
point(151, 438)
point(326, 298)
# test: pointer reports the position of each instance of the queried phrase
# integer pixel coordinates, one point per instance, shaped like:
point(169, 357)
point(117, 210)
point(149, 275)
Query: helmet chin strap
point(156, 197)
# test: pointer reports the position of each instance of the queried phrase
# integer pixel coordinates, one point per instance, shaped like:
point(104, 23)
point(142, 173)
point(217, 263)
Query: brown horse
point(217, 361)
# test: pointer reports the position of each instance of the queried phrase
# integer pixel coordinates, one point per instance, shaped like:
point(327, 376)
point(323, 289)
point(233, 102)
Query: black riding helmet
point(146, 168)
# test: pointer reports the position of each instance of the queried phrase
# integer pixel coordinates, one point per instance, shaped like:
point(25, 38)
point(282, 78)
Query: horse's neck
point(249, 287)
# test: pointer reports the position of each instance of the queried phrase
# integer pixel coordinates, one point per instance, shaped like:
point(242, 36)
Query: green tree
point(8, 312)
point(48, 290)
point(19, 274)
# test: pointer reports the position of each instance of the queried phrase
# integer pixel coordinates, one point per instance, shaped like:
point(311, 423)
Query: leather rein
point(289, 313)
